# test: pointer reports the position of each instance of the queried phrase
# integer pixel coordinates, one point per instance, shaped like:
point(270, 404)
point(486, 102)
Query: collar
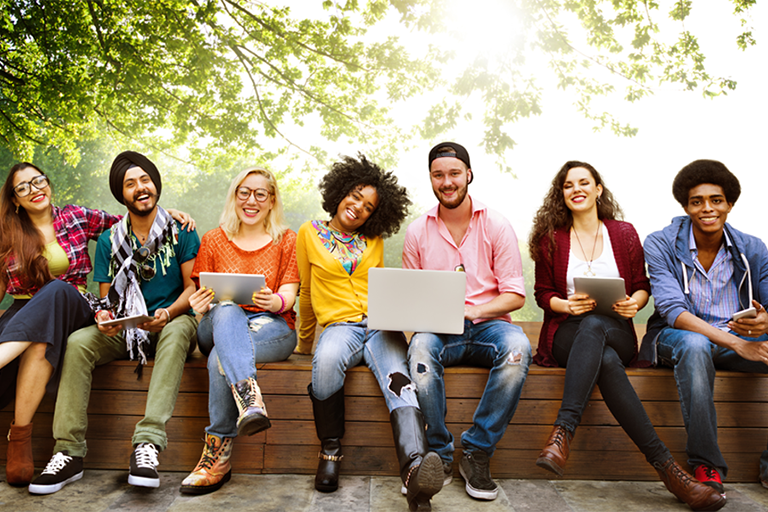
point(692, 241)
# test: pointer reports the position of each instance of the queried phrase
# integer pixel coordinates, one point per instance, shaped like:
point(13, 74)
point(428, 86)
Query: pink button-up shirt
point(488, 253)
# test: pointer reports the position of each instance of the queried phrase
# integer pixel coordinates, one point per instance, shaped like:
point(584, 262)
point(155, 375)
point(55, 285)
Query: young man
point(703, 272)
point(462, 234)
point(143, 265)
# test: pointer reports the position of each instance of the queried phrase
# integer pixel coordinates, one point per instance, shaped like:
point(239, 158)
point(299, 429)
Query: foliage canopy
point(218, 77)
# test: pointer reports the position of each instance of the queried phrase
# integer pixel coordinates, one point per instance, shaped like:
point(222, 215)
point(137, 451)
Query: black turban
point(125, 161)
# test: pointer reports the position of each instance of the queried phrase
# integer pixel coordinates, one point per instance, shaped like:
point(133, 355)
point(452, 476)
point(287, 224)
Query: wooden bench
point(600, 450)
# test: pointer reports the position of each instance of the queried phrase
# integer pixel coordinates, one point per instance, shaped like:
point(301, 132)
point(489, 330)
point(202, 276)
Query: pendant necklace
point(588, 272)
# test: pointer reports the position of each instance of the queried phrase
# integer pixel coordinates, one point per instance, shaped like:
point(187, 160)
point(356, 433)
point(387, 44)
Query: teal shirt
point(162, 290)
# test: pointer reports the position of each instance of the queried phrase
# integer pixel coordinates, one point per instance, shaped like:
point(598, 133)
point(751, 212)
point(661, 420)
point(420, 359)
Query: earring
point(598, 199)
point(17, 209)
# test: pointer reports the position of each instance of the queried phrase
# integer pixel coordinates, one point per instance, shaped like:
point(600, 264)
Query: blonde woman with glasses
point(252, 238)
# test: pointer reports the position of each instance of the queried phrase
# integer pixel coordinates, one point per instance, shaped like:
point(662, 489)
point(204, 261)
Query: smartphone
point(745, 313)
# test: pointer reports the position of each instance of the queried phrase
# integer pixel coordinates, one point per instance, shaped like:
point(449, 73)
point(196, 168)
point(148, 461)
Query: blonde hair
point(274, 223)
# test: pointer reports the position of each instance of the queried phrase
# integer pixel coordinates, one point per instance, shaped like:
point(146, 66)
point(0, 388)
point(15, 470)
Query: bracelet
point(167, 313)
point(282, 304)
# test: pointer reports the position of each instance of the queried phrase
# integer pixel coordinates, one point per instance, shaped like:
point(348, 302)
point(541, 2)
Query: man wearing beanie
point(143, 267)
point(462, 234)
point(710, 287)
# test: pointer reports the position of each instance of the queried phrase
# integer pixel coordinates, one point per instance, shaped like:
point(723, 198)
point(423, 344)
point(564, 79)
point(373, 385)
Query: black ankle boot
point(329, 423)
point(420, 469)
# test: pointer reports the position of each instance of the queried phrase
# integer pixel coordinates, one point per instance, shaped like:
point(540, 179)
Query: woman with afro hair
point(366, 204)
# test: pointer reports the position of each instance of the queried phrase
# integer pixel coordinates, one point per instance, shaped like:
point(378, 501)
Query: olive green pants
point(88, 348)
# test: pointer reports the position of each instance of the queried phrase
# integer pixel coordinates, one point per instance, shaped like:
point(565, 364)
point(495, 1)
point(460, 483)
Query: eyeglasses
point(25, 188)
point(260, 194)
point(146, 272)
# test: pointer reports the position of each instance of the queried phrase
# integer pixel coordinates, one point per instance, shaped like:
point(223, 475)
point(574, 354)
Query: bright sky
point(675, 128)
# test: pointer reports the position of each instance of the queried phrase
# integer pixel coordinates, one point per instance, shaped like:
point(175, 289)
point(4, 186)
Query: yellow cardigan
point(327, 293)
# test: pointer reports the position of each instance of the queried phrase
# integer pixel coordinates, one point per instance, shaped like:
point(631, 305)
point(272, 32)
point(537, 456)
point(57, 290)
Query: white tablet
point(606, 291)
point(128, 322)
point(238, 288)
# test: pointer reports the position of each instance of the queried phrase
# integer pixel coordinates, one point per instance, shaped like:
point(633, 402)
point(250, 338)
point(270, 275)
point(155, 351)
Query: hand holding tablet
point(605, 291)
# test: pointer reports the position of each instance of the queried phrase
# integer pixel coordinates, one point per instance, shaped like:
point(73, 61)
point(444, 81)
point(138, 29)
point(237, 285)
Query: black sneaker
point(447, 473)
point(61, 470)
point(143, 464)
point(475, 470)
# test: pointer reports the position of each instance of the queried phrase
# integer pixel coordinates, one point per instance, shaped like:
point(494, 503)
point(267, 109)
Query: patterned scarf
point(125, 297)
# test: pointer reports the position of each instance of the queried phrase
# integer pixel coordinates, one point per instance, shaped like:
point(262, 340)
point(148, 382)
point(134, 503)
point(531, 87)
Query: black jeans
point(594, 350)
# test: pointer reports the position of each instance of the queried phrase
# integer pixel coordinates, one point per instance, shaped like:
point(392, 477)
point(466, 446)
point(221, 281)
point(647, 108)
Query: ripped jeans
point(242, 340)
point(495, 344)
point(344, 345)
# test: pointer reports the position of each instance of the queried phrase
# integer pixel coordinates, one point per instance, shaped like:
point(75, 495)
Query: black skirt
point(50, 316)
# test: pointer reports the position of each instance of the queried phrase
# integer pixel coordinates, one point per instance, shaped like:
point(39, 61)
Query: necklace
point(588, 272)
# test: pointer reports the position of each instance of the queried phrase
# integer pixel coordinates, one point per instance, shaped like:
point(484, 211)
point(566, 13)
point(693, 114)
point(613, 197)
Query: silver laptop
point(238, 288)
point(416, 300)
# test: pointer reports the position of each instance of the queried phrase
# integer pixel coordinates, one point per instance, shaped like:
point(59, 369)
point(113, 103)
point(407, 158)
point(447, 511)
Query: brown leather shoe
point(19, 469)
point(697, 495)
point(555, 453)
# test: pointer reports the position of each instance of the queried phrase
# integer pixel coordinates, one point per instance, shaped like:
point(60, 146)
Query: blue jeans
point(344, 345)
point(594, 350)
point(694, 359)
point(495, 344)
point(241, 339)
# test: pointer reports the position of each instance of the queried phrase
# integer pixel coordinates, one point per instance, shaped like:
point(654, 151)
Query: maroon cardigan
point(551, 278)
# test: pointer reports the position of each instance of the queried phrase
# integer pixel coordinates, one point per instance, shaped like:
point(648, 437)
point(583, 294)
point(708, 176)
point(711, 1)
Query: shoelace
point(711, 473)
point(680, 474)
point(210, 456)
point(56, 464)
point(561, 437)
point(146, 456)
point(480, 469)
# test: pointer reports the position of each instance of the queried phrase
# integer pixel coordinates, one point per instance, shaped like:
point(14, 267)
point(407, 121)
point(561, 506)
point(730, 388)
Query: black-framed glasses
point(146, 272)
point(260, 194)
point(24, 188)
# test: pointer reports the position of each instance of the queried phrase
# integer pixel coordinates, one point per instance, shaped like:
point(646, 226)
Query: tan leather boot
point(555, 454)
point(697, 495)
point(19, 469)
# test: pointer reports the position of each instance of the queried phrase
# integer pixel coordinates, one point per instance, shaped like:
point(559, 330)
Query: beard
point(143, 211)
point(461, 194)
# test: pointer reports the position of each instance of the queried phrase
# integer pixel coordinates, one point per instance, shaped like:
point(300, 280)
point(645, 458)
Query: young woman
point(365, 204)
point(252, 239)
point(576, 232)
point(44, 264)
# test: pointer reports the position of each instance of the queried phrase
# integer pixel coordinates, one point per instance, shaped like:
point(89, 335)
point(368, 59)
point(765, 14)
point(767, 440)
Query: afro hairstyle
point(350, 173)
point(705, 171)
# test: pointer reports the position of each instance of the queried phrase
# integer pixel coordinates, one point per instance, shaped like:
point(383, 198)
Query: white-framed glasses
point(23, 189)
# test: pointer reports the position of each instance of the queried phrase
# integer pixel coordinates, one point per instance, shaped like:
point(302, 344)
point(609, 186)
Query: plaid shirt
point(74, 226)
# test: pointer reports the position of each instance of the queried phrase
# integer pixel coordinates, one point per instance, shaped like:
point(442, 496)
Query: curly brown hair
point(554, 214)
point(348, 174)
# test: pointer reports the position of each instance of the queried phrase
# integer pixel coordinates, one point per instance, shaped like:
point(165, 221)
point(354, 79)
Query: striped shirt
point(715, 295)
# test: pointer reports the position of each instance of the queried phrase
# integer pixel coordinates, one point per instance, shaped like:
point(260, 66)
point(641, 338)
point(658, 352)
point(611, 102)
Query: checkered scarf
point(125, 297)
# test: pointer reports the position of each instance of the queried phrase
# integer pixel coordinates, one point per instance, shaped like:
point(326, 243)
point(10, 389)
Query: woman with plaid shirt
point(44, 265)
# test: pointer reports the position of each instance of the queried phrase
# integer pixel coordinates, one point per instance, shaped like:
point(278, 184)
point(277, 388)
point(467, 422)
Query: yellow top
point(58, 263)
point(328, 294)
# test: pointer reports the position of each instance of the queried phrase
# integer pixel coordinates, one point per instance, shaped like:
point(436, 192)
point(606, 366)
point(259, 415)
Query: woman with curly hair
point(577, 232)
point(365, 204)
point(252, 238)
